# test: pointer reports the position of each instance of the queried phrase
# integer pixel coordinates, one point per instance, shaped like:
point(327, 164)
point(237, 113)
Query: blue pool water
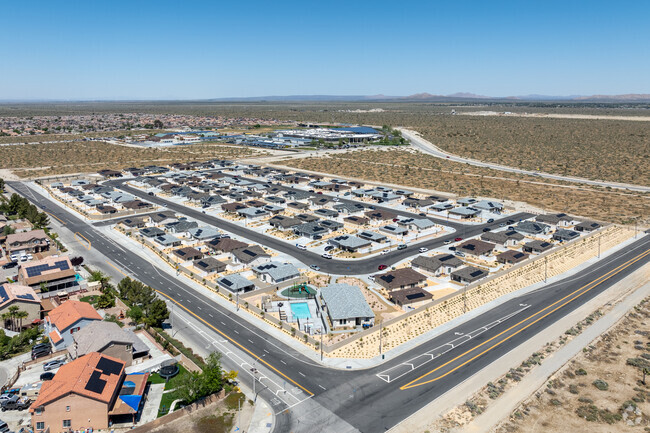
point(78, 277)
point(300, 310)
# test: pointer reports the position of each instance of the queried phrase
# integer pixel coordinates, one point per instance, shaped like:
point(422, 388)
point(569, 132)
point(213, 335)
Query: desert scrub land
point(427, 172)
point(601, 390)
point(612, 150)
point(35, 160)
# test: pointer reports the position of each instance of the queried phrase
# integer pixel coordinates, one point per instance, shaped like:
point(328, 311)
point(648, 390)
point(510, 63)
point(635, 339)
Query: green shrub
point(600, 384)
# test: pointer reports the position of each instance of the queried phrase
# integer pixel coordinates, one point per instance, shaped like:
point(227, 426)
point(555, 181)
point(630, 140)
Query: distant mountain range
point(428, 97)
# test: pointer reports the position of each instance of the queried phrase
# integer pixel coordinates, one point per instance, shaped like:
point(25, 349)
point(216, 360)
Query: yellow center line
point(84, 238)
point(595, 283)
point(56, 218)
point(258, 358)
point(116, 268)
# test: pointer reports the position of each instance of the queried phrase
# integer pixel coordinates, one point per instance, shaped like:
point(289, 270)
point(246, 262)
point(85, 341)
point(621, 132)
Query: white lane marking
point(399, 370)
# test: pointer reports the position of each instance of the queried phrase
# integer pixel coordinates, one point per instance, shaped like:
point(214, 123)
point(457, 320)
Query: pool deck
point(314, 319)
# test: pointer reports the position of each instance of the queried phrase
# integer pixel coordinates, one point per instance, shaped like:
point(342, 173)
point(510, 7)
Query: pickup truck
point(16, 403)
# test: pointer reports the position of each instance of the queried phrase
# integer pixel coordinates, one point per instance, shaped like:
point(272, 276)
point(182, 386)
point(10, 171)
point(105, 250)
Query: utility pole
point(599, 236)
point(321, 345)
point(545, 268)
point(380, 337)
point(238, 301)
point(465, 299)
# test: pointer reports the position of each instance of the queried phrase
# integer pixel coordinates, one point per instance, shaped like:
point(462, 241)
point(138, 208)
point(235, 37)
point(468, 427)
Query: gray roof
point(345, 302)
point(350, 207)
point(326, 213)
point(181, 226)
point(310, 229)
point(464, 211)
point(372, 236)
point(531, 227)
point(150, 232)
point(252, 212)
point(203, 232)
point(278, 271)
point(167, 239)
point(421, 223)
point(97, 335)
point(488, 205)
point(395, 230)
point(234, 282)
point(349, 241)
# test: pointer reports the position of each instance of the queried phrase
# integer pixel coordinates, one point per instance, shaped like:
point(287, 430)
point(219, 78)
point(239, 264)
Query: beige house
point(25, 298)
point(31, 242)
point(109, 339)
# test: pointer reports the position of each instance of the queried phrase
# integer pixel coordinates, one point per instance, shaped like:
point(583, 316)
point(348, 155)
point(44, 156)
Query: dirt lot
point(423, 171)
point(217, 417)
point(598, 391)
point(35, 160)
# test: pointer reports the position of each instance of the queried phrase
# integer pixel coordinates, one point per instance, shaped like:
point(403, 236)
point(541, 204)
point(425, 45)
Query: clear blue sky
point(138, 49)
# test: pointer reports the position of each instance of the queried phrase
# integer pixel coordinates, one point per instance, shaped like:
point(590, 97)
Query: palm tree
point(5, 318)
point(21, 315)
point(13, 310)
point(101, 277)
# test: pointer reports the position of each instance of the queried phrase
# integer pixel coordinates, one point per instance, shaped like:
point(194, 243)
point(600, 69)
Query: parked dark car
point(510, 222)
point(47, 376)
point(491, 220)
point(401, 246)
point(486, 229)
point(39, 353)
point(9, 265)
point(317, 237)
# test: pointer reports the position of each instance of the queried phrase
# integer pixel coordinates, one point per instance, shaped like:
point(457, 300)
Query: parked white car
point(423, 250)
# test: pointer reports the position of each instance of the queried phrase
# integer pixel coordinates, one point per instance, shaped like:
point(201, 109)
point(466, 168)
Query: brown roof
point(409, 296)
point(226, 244)
point(54, 273)
point(511, 256)
point(400, 278)
point(380, 215)
point(188, 252)
point(476, 247)
point(27, 237)
point(233, 207)
point(356, 220)
point(84, 376)
point(70, 312)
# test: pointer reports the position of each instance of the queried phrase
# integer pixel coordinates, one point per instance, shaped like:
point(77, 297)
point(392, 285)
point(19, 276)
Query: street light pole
point(321, 345)
point(237, 300)
point(599, 236)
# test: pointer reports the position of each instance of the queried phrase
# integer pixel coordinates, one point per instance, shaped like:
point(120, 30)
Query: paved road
point(431, 149)
point(377, 398)
point(337, 267)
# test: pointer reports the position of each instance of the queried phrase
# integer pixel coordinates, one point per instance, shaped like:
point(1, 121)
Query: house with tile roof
point(55, 273)
point(23, 297)
point(66, 319)
point(87, 393)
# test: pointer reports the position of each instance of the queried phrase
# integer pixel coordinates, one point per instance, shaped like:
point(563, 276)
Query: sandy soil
point(557, 116)
point(571, 402)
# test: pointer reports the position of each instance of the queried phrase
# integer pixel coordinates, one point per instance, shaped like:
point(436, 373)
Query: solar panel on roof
point(108, 366)
point(25, 296)
point(476, 273)
point(227, 282)
point(3, 293)
point(95, 384)
point(415, 296)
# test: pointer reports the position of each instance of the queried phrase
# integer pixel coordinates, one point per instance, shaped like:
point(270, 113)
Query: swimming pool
point(300, 310)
